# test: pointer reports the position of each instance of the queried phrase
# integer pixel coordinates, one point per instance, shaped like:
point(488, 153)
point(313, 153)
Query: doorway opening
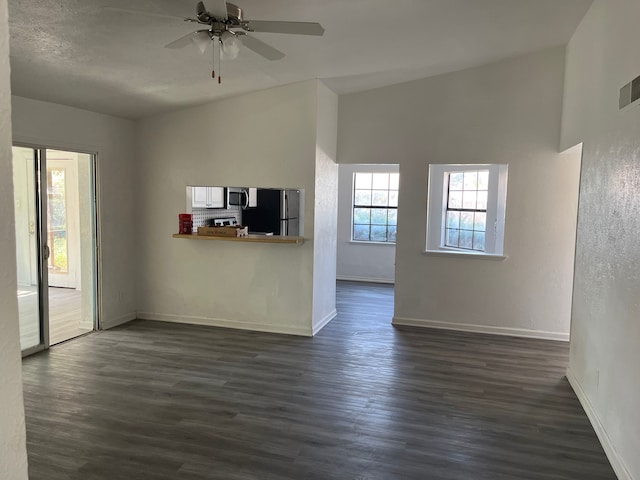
point(367, 222)
point(54, 193)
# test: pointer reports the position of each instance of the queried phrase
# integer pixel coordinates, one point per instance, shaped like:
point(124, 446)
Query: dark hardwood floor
point(361, 400)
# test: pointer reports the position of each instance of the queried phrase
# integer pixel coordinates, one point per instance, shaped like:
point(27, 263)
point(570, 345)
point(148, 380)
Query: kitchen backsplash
point(201, 215)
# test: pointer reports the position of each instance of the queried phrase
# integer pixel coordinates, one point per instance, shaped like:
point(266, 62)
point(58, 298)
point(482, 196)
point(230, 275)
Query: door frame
point(40, 204)
point(40, 149)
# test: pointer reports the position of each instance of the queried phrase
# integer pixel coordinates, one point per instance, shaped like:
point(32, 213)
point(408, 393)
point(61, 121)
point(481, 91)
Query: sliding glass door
point(71, 240)
point(55, 245)
point(30, 250)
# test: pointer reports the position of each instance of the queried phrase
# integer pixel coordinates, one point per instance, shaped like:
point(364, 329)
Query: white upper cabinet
point(253, 197)
point(207, 197)
point(199, 197)
point(215, 197)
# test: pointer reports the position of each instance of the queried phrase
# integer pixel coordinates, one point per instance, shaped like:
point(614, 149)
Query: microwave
point(241, 198)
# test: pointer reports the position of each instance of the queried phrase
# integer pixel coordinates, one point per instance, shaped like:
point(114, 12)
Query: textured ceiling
point(76, 52)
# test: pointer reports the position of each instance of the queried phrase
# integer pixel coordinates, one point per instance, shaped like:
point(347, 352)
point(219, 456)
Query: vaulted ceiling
point(79, 53)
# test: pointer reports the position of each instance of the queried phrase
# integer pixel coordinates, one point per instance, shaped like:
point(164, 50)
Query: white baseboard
point(365, 279)
point(465, 327)
point(616, 462)
point(225, 323)
point(323, 323)
point(114, 322)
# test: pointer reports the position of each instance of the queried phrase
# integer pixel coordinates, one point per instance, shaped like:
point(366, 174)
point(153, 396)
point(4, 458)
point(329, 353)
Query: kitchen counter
point(250, 238)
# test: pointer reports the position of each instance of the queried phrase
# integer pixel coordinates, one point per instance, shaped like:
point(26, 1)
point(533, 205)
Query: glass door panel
point(71, 239)
point(54, 202)
point(27, 229)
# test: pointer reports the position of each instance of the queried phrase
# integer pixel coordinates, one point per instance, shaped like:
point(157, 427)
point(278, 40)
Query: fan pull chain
point(213, 61)
point(219, 61)
point(216, 48)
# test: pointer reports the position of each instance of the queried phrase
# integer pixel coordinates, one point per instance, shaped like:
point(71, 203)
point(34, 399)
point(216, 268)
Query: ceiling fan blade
point(296, 28)
point(181, 42)
point(200, 38)
point(217, 9)
point(144, 12)
point(261, 48)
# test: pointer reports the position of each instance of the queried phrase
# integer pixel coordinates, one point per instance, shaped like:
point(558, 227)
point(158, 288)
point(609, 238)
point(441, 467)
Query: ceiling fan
point(228, 30)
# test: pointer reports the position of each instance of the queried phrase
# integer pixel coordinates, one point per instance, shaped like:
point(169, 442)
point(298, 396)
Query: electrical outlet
point(120, 296)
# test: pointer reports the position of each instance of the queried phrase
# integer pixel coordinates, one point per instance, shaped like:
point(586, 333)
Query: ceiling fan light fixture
point(201, 39)
point(230, 45)
point(225, 24)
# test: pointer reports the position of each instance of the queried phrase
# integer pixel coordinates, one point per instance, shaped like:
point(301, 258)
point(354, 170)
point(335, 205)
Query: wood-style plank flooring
point(361, 400)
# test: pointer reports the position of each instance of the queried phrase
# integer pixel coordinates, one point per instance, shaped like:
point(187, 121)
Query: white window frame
point(437, 207)
point(353, 206)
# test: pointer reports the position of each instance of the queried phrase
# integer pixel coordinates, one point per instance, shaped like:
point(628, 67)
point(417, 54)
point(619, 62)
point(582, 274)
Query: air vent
point(635, 89)
point(629, 93)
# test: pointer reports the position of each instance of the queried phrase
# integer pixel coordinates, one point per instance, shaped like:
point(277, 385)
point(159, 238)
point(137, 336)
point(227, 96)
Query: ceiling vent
point(629, 93)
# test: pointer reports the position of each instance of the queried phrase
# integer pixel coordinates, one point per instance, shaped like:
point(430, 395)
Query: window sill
point(457, 254)
point(361, 242)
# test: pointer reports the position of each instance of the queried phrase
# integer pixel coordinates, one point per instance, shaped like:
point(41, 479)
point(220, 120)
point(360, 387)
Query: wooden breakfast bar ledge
point(249, 238)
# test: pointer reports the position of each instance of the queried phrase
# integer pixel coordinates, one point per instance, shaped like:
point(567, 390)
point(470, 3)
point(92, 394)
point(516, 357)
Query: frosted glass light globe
point(230, 45)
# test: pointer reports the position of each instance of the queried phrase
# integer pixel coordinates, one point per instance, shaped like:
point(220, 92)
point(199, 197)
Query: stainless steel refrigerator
point(276, 212)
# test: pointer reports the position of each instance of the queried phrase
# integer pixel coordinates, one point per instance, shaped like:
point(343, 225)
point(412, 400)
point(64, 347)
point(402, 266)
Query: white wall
point(264, 139)
point(13, 450)
point(358, 261)
point(326, 209)
point(605, 327)
point(505, 113)
point(47, 124)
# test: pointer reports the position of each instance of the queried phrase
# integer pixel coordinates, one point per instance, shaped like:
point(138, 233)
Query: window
point(466, 209)
point(375, 207)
